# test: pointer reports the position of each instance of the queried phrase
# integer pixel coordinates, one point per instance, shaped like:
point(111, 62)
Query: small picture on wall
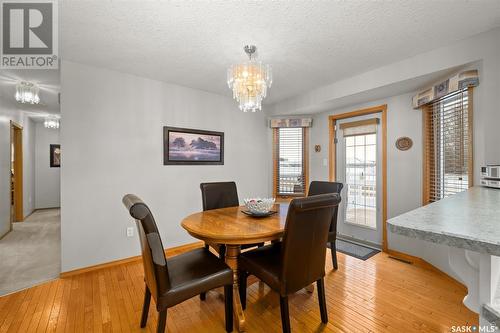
point(55, 156)
point(191, 146)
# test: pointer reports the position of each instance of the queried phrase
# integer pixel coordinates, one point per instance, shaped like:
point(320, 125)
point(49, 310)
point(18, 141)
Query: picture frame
point(186, 146)
point(55, 156)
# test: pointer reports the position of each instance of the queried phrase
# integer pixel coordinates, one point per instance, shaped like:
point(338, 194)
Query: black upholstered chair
point(297, 261)
point(321, 187)
point(217, 195)
point(179, 278)
point(221, 195)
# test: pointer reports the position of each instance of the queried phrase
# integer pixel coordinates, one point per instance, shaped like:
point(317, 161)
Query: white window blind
point(448, 143)
point(290, 165)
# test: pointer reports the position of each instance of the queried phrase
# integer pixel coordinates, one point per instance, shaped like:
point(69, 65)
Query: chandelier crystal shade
point(51, 122)
point(27, 93)
point(249, 81)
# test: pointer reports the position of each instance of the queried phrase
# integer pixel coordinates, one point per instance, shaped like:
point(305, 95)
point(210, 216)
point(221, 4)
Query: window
point(361, 179)
point(448, 146)
point(290, 161)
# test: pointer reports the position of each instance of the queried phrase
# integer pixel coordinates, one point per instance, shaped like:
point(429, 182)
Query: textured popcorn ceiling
point(309, 44)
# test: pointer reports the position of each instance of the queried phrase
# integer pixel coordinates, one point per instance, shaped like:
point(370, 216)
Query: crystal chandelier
point(51, 122)
point(27, 93)
point(249, 81)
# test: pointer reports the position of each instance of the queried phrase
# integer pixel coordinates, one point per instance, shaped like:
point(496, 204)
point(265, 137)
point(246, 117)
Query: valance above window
point(457, 82)
point(361, 127)
point(291, 122)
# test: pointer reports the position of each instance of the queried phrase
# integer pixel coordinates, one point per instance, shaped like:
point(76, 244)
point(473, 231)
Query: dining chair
point(221, 195)
point(322, 187)
point(217, 195)
point(174, 280)
point(299, 259)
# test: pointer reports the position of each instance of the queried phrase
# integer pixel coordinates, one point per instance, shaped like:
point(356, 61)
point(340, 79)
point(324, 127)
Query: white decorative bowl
point(259, 206)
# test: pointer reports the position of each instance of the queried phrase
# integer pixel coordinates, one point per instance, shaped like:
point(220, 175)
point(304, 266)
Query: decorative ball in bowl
point(259, 206)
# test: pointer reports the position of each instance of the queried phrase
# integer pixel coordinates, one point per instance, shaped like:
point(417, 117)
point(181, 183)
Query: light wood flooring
point(377, 295)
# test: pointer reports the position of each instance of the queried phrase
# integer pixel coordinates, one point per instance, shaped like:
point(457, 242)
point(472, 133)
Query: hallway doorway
point(16, 173)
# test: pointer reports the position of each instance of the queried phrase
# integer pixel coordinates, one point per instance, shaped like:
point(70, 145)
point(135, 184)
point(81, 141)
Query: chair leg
point(145, 307)
point(162, 321)
point(228, 300)
point(203, 296)
point(333, 250)
point(243, 289)
point(222, 252)
point(285, 316)
point(322, 301)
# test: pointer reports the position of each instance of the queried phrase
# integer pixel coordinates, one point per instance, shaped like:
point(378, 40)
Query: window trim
point(275, 165)
point(426, 119)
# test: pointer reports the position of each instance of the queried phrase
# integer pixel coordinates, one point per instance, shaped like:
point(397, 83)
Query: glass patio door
point(358, 150)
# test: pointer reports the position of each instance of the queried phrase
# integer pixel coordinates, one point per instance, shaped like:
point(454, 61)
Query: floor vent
point(402, 260)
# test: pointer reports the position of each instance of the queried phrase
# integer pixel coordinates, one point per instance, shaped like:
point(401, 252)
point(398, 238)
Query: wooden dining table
point(233, 228)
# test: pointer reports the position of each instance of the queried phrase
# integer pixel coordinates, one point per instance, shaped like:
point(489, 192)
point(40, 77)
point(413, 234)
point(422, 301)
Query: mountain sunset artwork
point(193, 147)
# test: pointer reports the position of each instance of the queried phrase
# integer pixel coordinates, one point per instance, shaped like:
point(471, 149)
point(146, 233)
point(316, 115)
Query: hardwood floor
point(378, 295)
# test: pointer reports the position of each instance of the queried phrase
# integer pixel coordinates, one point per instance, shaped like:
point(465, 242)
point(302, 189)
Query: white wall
point(404, 168)
point(112, 137)
point(48, 184)
point(29, 133)
point(483, 48)
point(7, 115)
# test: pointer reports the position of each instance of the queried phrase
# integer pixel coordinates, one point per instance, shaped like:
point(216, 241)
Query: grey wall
point(7, 115)
point(48, 184)
point(112, 138)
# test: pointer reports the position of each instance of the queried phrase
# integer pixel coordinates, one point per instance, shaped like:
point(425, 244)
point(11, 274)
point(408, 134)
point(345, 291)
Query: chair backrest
point(304, 240)
point(321, 187)
point(153, 255)
point(219, 195)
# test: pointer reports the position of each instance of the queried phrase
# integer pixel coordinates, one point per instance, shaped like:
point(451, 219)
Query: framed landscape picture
point(55, 156)
point(186, 146)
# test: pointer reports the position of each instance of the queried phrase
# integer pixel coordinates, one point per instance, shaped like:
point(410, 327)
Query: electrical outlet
point(130, 232)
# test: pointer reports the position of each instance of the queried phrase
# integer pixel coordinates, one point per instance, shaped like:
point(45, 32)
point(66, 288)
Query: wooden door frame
point(17, 141)
point(332, 155)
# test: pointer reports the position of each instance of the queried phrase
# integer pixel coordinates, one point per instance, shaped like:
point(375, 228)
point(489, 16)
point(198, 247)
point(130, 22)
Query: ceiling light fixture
point(27, 93)
point(249, 81)
point(51, 122)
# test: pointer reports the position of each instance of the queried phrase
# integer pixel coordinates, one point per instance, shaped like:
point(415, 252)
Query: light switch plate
point(130, 232)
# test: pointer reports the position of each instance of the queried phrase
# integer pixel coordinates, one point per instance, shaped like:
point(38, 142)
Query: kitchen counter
point(468, 220)
point(469, 224)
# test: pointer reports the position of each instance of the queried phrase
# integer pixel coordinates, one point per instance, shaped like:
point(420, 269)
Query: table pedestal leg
point(232, 253)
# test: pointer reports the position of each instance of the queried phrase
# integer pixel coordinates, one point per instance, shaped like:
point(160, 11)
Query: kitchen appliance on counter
point(490, 176)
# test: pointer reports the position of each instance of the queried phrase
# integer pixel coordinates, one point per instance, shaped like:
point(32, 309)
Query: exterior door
point(359, 156)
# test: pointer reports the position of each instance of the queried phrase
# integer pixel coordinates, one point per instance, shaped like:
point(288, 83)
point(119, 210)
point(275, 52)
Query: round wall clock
point(404, 143)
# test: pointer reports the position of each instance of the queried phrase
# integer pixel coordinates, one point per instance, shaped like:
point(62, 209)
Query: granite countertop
point(469, 220)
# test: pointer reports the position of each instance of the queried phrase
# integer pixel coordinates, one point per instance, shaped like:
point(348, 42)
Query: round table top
point(232, 226)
